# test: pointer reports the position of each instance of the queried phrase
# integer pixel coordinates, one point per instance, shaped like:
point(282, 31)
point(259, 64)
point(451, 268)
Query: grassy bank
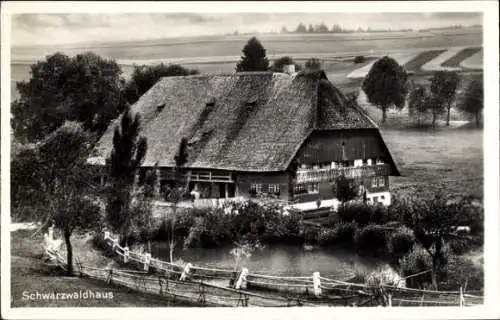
point(30, 275)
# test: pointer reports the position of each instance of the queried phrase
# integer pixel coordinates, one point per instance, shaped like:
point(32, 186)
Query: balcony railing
point(328, 174)
point(201, 176)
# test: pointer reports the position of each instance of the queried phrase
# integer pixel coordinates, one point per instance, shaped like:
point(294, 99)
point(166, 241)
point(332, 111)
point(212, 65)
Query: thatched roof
point(248, 121)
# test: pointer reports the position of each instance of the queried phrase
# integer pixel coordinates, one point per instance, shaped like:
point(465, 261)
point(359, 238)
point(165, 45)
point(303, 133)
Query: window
point(381, 182)
point(313, 188)
point(274, 188)
point(255, 188)
point(374, 182)
point(306, 188)
point(382, 197)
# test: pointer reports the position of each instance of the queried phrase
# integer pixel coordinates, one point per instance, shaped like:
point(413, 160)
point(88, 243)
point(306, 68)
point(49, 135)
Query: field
point(428, 159)
point(217, 54)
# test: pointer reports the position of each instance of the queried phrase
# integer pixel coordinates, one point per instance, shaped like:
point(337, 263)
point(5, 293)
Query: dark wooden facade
point(324, 156)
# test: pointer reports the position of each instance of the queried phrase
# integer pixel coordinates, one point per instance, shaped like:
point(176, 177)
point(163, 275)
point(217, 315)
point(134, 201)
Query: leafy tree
point(176, 191)
point(301, 28)
point(336, 28)
point(313, 64)
point(321, 28)
point(435, 106)
point(417, 102)
point(385, 85)
point(126, 157)
point(59, 183)
point(433, 221)
point(85, 88)
point(444, 85)
point(283, 61)
point(310, 29)
point(284, 29)
point(473, 102)
point(346, 189)
point(254, 57)
point(144, 77)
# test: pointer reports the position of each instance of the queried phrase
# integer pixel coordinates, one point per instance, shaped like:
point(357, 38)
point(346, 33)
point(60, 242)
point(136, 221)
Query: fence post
point(147, 260)
point(110, 275)
point(316, 284)
point(115, 242)
point(242, 280)
point(126, 254)
point(185, 272)
point(462, 300)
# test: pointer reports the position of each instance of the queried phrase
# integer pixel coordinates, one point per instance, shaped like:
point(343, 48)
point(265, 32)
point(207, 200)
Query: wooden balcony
point(328, 174)
point(201, 176)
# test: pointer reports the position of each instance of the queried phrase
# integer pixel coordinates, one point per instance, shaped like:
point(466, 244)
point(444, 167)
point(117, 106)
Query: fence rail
point(194, 285)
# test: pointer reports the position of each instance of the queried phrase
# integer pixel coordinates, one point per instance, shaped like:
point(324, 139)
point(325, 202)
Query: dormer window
point(160, 107)
point(210, 103)
point(251, 102)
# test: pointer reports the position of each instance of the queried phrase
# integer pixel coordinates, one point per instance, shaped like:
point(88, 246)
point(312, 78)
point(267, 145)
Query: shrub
point(371, 239)
point(418, 260)
point(401, 242)
point(461, 272)
point(343, 232)
point(359, 59)
point(355, 212)
point(363, 213)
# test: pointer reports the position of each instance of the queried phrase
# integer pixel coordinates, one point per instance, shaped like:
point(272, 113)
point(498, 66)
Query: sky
point(51, 29)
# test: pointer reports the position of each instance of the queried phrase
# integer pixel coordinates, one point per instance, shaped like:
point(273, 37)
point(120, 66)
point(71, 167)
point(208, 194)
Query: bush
point(418, 260)
point(461, 272)
point(355, 212)
point(363, 213)
point(359, 59)
point(371, 239)
point(343, 232)
point(401, 242)
point(235, 222)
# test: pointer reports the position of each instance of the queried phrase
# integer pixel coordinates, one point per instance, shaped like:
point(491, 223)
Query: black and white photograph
point(318, 156)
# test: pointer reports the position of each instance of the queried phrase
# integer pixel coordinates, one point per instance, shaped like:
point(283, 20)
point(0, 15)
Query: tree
point(433, 220)
point(473, 101)
point(444, 85)
point(254, 57)
point(417, 102)
point(144, 77)
point(313, 64)
point(346, 189)
point(176, 191)
point(278, 64)
point(301, 28)
point(126, 157)
point(86, 88)
point(435, 105)
point(284, 29)
point(336, 28)
point(310, 29)
point(321, 28)
point(385, 85)
point(59, 182)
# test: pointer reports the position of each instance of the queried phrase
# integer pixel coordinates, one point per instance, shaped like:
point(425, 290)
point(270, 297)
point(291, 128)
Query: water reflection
point(277, 260)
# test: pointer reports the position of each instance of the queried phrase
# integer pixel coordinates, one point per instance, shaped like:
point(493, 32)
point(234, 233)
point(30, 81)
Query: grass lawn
point(430, 158)
point(30, 274)
point(422, 58)
point(455, 61)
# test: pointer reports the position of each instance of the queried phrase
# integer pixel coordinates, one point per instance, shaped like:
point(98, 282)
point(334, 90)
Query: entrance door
point(222, 190)
point(231, 190)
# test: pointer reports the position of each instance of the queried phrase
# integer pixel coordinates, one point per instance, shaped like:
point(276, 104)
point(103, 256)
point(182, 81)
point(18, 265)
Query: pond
point(282, 260)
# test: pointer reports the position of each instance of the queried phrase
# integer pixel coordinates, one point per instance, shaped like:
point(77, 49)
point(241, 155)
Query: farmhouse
point(288, 136)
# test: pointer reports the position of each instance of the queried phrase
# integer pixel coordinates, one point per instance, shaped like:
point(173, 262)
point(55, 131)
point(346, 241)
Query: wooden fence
point(209, 286)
